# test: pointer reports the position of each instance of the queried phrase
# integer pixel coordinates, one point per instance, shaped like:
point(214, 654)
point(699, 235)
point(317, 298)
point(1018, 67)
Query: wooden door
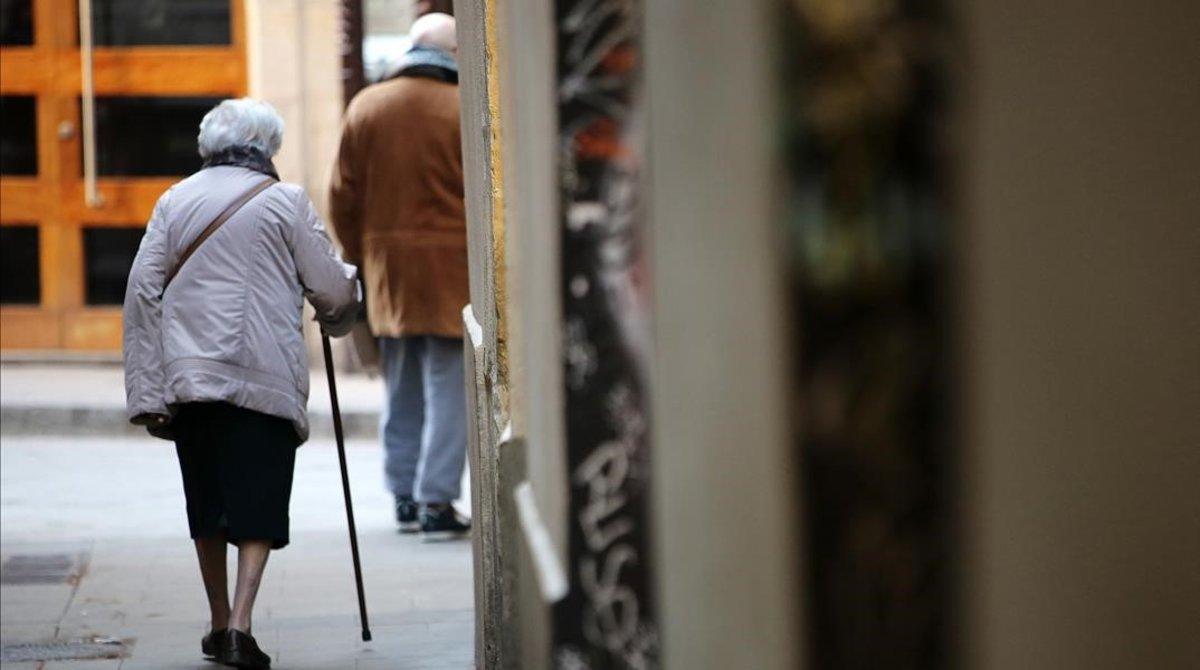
point(159, 65)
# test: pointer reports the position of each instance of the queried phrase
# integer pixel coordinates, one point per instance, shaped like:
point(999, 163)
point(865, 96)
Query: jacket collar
point(247, 157)
point(430, 63)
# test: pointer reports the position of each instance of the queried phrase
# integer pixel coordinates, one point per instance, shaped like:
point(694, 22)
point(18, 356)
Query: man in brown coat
point(396, 205)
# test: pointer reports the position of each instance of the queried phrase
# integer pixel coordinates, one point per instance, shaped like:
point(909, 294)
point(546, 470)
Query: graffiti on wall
point(607, 620)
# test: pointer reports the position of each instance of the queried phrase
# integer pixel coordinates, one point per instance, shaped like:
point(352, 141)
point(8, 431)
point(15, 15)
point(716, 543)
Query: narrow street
point(104, 518)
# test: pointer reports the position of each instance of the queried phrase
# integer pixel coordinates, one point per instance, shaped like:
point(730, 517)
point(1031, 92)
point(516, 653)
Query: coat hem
point(238, 385)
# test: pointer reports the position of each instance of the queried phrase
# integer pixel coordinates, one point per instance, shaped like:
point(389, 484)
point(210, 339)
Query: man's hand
point(362, 297)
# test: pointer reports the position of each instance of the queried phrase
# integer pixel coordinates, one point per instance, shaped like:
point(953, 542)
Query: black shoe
point(242, 652)
point(441, 522)
point(210, 645)
point(406, 514)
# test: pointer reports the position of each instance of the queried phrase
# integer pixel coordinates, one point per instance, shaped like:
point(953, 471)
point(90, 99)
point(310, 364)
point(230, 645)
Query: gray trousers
point(424, 425)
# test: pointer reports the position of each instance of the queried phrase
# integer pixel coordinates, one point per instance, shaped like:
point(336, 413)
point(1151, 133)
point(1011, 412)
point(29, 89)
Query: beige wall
point(389, 17)
point(1083, 335)
point(295, 64)
point(294, 58)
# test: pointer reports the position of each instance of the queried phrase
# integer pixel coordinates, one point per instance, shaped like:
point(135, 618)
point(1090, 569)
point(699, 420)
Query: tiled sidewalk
point(119, 502)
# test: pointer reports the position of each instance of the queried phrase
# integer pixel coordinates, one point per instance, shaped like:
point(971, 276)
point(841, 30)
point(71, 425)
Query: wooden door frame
point(53, 199)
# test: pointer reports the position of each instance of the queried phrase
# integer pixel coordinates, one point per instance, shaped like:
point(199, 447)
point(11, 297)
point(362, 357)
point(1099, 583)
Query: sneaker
point(406, 514)
point(441, 522)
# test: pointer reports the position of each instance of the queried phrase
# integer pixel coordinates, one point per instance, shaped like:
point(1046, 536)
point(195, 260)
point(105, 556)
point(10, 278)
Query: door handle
point(88, 97)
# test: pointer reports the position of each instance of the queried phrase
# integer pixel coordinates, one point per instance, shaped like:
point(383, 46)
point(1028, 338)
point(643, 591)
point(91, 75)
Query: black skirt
point(237, 467)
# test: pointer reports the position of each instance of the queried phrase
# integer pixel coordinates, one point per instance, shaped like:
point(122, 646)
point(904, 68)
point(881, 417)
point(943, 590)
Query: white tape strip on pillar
point(552, 579)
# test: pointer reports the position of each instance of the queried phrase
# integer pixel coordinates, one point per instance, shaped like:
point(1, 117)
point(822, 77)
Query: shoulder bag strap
point(216, 223)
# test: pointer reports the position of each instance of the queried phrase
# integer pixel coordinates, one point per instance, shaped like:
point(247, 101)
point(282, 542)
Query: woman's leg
point(201, 488)
point(252, 560)
point(211, 552)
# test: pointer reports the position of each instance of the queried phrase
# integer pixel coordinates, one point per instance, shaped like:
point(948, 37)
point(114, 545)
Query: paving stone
point(35, 603)
point(24, 633)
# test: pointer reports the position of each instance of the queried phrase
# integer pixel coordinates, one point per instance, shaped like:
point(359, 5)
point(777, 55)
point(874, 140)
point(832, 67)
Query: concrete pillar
point(524, 76)
point(532, 249)
point(726, 517)
point(497, 464)
point(534, 309)
point(482, 164)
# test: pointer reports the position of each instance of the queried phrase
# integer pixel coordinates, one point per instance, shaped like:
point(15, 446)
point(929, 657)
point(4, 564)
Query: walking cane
point(341, 448)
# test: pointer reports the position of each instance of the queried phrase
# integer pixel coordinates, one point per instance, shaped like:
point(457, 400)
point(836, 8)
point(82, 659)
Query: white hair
point(241, 122)
point(435, 30)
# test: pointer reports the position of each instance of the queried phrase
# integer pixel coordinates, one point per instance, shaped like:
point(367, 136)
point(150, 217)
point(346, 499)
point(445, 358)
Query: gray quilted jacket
point(228, 328)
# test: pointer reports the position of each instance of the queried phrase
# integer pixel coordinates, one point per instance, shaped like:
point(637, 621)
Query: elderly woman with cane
point(214, 351)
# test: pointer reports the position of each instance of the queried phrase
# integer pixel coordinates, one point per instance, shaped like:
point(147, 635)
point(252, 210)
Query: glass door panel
point(16, 23)
point(107, 257)
point(161, 22)
point(18, 135)
point(20, 269)
point(149, 136)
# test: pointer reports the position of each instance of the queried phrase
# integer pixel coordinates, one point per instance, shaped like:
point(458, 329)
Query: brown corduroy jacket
point(396, 205)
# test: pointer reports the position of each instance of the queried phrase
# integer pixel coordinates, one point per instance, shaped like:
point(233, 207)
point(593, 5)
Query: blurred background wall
point(1080, 305)
point(293, 61)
